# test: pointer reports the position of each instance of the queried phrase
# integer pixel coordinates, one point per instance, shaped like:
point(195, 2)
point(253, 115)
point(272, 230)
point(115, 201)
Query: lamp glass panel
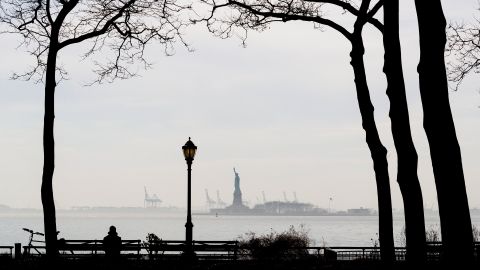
point(189, 153)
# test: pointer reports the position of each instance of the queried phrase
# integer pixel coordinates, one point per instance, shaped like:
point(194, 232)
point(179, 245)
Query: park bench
point(76, 248)
point(6, 252)
point(215, 250)
point(87, 248)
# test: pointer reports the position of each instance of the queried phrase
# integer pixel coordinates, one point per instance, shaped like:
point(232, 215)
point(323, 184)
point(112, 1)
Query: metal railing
point(202, 249)
point(228, 250)
point(357, 253)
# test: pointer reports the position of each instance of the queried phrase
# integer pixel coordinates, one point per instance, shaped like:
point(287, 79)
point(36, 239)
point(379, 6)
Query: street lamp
point(189, 150)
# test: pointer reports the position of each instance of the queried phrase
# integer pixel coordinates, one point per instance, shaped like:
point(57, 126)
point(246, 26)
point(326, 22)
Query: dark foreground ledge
point(103, 264)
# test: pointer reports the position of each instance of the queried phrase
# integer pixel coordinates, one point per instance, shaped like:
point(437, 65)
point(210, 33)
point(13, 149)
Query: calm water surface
point(328, 230)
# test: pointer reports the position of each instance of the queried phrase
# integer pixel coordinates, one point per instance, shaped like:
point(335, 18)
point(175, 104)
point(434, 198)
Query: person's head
point(112, 230)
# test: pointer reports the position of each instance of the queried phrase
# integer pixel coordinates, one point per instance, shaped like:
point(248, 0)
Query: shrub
point(375, 241)
point(476, 233)
point(151, 243)
point(286, 245)
point(151, 237)
point(402, 238)
point(432, 234)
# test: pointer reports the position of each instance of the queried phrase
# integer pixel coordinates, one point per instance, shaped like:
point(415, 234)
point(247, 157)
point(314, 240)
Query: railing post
point(18, 251)
point(235, 249)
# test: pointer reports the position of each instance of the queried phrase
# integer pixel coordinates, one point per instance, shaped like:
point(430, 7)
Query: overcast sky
point(283, 111)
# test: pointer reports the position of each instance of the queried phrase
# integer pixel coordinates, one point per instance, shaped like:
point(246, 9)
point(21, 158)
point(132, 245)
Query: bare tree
point(259, 14)
point(439, 127)
point(463, 44)
point(407, 158)
point(48, 26)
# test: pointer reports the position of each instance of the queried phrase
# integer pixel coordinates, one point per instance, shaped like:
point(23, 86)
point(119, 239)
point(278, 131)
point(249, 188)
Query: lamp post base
point(188, 252)
point(189, 255)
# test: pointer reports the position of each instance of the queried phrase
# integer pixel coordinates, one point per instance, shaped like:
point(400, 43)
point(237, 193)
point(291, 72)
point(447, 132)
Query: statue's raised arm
point(237, 179)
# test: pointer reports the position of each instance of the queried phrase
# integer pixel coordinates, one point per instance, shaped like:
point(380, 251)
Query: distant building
point(289, 208)
point(360, 212)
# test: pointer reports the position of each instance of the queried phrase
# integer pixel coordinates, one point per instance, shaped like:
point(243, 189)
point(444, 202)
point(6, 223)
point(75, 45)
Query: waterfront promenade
point(135, 254)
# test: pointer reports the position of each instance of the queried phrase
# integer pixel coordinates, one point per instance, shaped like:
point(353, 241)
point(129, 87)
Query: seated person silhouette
point(112, 243)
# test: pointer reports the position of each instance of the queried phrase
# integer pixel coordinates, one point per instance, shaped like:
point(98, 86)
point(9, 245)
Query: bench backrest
point(198, 246)
point(93, 246)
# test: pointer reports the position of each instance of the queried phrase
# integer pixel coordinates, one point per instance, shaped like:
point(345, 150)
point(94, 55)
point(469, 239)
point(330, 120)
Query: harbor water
point(324, 230)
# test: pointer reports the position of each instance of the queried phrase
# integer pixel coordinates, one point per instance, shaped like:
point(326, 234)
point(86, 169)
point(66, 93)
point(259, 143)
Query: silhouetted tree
point(463, 43)
point(438, 123)
point(260, 13)
point(49, 26)
point(407, 158)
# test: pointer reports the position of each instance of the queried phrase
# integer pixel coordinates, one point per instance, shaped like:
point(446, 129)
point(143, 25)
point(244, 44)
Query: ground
point(102, 264)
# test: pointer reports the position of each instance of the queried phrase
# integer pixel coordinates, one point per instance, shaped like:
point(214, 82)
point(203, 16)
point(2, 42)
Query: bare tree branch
point(125, 27)
point(258, 14)
point(353, 9)
point(463, 50)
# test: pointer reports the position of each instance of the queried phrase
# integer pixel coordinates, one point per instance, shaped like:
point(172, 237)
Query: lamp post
point(189, 150)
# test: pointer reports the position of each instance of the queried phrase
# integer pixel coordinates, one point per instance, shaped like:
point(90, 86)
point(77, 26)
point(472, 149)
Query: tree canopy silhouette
point(46, 27)
point(438, 122)
point(259, 14)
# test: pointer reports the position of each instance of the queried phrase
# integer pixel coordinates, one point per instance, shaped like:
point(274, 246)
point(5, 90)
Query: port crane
point(220, 202)
point(151, 200)
point(295, 196)
point(210, 202)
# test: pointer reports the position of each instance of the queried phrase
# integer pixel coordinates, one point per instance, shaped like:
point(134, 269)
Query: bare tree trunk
point(377, 151)
point(440, 129)
point(407, 159)
point(48, 202)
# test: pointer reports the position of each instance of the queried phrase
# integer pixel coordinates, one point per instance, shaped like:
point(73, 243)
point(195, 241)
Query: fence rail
point(223, 250)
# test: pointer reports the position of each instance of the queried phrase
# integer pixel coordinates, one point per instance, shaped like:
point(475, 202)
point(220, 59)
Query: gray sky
point(283, 111)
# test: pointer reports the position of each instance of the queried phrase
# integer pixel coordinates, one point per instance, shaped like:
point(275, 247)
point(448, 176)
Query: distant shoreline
point(7, 211)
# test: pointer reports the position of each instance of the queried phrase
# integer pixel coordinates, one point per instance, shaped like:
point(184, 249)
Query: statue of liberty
point(237, 194)
point(237, 180)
